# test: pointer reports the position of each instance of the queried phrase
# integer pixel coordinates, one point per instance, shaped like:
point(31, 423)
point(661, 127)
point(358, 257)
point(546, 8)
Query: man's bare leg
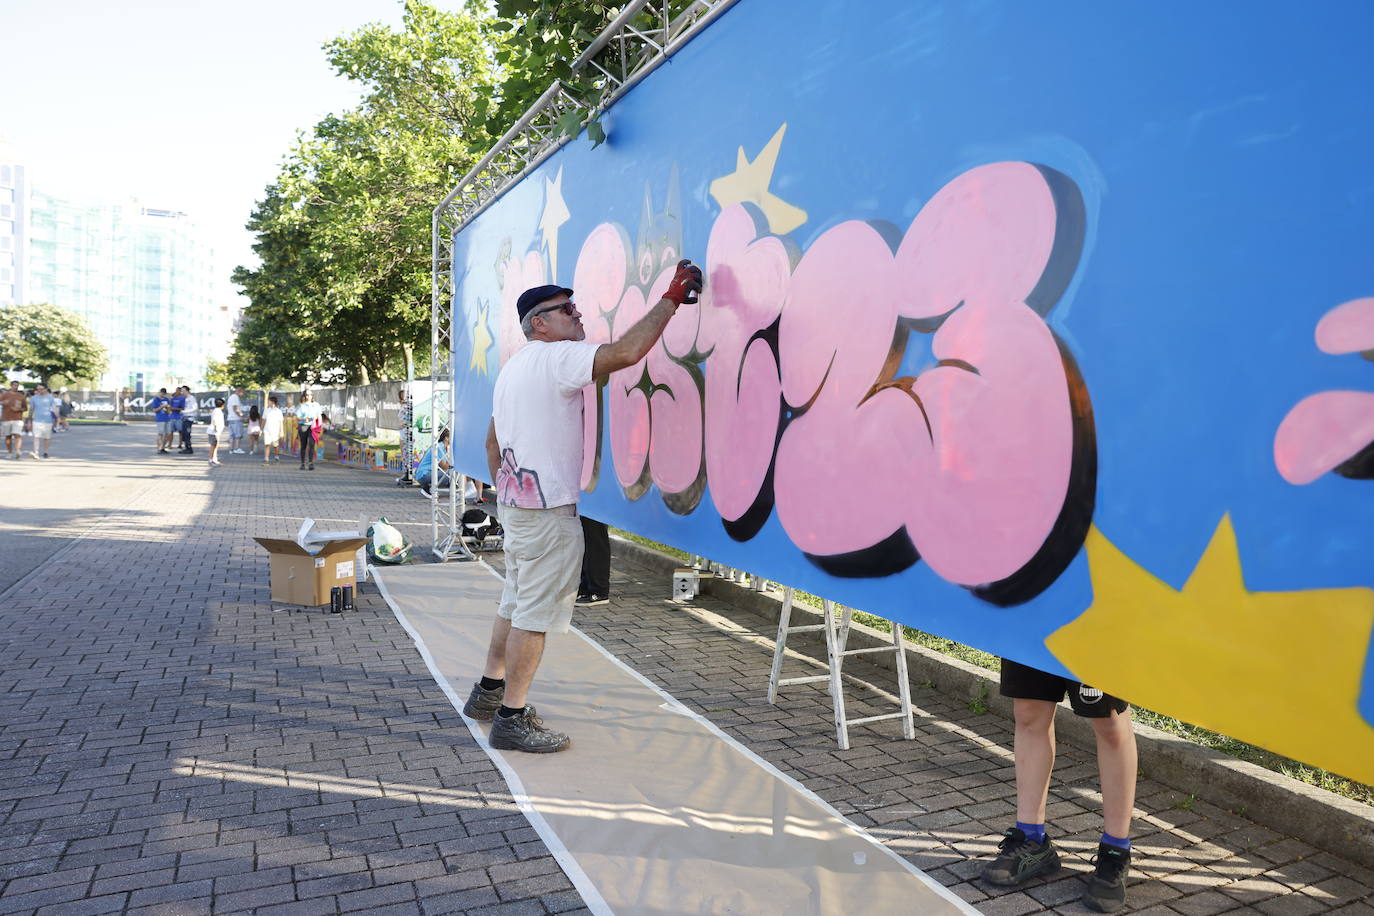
point(1117, 764)
point(1034, 750)
point(514, 655)
point(524, 649)
point(496, 650)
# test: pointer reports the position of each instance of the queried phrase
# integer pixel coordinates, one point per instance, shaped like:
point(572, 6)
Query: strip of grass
point(1232, 747)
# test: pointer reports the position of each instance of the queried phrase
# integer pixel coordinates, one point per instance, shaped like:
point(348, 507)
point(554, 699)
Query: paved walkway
point(345, 782)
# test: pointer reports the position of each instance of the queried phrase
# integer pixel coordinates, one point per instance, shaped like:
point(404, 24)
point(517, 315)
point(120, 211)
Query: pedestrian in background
point(318, 430)
point(216, 431)
point(307, 414)
point(42, 414)
point(178, 406)
point(272, 423)
point(188, 419)
point(436, 455)
point(254, 429)
point(65, 409)
point(235, 416)
point(160, 405)
point(13, 404)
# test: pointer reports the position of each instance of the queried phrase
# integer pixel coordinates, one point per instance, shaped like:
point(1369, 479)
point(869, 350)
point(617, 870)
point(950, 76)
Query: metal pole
point(435, 366)
point(407, 478)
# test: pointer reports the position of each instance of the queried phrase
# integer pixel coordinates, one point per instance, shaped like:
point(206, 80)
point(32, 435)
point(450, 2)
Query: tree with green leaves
point(342, 291)
point(46, 340)
point(217, 374)
point(538, 41)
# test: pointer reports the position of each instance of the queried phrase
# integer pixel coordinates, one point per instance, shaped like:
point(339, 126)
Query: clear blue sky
point(185, 104)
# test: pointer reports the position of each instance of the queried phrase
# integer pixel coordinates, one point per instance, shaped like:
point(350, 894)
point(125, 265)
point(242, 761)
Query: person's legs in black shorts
point(1026, 852)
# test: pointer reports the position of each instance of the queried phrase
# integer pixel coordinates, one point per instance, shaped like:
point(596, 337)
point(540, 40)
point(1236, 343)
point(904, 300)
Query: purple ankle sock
point(1034, 832)
point(1120, 842)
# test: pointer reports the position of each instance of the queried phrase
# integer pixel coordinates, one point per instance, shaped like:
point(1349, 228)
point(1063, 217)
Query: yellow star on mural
point(555, 215)
point(481, 341)
point(1278, 669)
point(748, 183)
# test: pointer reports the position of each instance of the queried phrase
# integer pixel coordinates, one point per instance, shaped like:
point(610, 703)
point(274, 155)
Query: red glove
point(686, 283)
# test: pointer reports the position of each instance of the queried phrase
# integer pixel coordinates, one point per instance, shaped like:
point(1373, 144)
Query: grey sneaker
point(1019, 859)
point(1106, 890)
point(526, 732)
point(482, 704)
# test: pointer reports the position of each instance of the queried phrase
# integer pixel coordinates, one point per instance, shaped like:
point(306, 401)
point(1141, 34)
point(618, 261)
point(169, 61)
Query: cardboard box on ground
point(305, 568)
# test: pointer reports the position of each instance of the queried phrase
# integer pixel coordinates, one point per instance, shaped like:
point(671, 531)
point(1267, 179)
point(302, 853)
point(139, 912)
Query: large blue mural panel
point(1048, 330)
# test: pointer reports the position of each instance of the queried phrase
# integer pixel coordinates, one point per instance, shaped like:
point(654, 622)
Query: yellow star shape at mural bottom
point(748, 183)
point(1278, 669)
point(481, 341)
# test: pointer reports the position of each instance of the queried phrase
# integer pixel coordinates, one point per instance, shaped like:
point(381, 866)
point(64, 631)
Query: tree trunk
point(364, 377)
point(409, 351)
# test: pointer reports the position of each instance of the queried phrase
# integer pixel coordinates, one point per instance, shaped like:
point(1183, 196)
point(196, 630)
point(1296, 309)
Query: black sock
point(507, 712)
point(492, 683)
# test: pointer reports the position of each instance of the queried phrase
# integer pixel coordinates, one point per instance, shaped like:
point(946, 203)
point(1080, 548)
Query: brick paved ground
point(332, 776)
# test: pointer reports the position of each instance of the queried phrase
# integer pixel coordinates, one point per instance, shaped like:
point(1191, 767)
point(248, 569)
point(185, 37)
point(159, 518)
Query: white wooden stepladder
point(836, 638)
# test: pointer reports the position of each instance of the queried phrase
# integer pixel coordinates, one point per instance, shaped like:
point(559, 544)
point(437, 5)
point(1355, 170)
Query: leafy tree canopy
point(217, 374)
point(538, 41)
point(342, 291)
point(343, 234)
point(46, 340)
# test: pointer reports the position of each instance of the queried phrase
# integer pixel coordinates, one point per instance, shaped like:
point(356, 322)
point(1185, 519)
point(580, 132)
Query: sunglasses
point(567, 308)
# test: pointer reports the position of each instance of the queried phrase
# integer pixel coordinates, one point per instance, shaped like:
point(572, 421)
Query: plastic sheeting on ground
point(653, 809)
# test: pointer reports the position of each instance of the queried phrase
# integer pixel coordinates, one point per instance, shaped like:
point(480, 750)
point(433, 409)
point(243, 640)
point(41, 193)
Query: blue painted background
point(1226, 157)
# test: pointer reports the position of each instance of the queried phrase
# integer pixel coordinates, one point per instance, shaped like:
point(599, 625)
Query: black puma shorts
point(1022, 682)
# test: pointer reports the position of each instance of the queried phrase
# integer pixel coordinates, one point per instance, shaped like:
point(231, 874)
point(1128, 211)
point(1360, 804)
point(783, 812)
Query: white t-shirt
point(235, 406)
point(537, 406)
point(272, 422)
point(189, 411)
point(217, 421)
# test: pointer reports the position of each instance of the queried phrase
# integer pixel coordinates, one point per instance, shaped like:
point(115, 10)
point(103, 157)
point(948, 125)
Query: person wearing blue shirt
point(178, 405)
point(425, 469)
point(42, 415)
point(162, 415)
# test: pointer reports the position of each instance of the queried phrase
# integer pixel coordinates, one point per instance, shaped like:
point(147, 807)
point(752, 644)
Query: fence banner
point(95, 405)
point(1010, 333)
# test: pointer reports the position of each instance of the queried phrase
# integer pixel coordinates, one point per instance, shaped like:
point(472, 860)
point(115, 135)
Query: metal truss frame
point(622, 55)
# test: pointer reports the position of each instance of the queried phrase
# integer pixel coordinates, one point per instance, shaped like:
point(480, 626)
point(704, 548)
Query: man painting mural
point(534, 453)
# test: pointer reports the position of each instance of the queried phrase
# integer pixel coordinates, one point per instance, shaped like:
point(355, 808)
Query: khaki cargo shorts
point(543, 567)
